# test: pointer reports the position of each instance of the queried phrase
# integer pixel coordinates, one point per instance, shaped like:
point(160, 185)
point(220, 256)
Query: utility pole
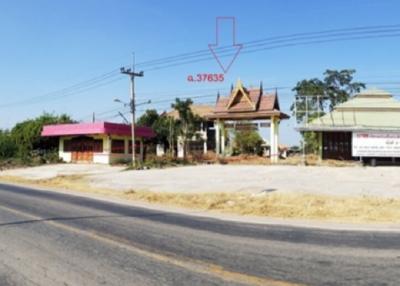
point(132, 74)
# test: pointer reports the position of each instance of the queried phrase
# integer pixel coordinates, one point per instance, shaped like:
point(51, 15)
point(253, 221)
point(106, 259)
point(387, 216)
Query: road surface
point(49, 238)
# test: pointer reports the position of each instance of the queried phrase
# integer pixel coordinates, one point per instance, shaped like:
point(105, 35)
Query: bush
point(26, 135)
point(7, 146)
point(247, 142)
point(154, 162)
point(311, 142)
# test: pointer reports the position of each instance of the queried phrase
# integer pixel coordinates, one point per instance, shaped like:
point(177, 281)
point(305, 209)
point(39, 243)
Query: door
point(336, 145)
point(83, 148)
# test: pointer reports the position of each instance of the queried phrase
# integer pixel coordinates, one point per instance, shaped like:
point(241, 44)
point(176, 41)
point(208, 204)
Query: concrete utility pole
point(132, 74)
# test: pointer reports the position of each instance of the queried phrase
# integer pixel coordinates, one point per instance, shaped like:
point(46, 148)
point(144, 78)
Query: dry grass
point(243, 159)
point(313, 160)
point(278, 205)
point(305, 206)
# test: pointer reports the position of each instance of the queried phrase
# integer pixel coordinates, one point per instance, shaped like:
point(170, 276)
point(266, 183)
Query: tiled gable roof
point(244, 104)
point(261, 102)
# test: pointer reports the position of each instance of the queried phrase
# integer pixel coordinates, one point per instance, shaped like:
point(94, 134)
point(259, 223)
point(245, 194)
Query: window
point(83, 144)
point(118, 146)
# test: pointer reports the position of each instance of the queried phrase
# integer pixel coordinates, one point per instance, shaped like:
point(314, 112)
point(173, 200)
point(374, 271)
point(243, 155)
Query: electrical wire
point(278, 39)
point(265, 47)
point(357, 33)
point(57, 95)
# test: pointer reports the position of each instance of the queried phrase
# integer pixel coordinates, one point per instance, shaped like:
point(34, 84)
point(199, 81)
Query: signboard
point(376, 144)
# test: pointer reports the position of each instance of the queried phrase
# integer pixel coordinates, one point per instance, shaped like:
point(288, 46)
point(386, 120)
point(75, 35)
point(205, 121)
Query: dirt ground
point(254, 179)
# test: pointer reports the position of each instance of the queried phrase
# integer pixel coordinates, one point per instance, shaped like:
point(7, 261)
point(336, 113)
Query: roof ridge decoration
point(240, 90)
point(257, 104)
point(276, 100)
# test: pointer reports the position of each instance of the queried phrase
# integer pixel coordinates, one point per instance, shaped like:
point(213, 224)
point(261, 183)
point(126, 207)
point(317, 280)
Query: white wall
point(65, 156)
point(106, 157)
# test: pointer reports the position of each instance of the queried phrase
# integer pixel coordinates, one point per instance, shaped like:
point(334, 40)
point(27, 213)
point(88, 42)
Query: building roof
point(95, 128)
point(369, 110)
point(247, 104)
point(201, 110)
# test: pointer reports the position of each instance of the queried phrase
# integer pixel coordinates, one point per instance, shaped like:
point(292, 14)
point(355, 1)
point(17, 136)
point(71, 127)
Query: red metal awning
point(95, 128)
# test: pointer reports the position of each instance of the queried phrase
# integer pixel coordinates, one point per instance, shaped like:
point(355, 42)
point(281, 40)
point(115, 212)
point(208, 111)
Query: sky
point(47, 46)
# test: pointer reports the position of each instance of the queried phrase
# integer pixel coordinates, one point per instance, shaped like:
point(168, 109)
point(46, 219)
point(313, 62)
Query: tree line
point(24, 144)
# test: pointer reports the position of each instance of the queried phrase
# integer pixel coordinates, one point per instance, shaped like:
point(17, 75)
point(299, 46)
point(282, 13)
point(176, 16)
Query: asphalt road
point(48, 238)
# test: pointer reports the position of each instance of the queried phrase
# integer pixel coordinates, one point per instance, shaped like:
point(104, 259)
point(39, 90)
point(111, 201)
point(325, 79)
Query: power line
point(357, 33)
point(277, 39)
point(57, 95)
point(265, 47)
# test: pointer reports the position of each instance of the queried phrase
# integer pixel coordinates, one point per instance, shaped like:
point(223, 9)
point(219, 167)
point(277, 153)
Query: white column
point(106, 149)
point(106, 144)
point(204, 137)
point(60, 146)
point(277, 139)
point(217, 137)
point(180, 147)
point(274, 141)
point(205, 145)
point(222, 138)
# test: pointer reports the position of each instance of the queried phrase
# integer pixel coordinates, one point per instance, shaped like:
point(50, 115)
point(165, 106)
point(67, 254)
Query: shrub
point(154, 162)
point(247, 142)
point(26, 135)
point(7, 146)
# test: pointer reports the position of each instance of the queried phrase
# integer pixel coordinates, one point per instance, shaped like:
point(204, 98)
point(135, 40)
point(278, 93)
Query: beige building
point(366, 126)
point(98, 142)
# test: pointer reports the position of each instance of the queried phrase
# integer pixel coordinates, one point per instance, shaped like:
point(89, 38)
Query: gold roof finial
point(239, 84)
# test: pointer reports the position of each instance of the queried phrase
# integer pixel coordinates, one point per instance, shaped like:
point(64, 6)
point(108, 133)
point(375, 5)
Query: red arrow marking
point(236, 47)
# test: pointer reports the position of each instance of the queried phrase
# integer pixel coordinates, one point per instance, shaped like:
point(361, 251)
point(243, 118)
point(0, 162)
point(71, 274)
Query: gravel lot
point(348, 181)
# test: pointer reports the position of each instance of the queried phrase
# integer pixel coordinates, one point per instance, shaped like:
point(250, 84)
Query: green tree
point(315, 97)
point(248, 142)
point(148, 118)
point(7, 146)
point(340, 86)
point(310, 98)
point(27, 134)
point(164, 126)
point(188, 122)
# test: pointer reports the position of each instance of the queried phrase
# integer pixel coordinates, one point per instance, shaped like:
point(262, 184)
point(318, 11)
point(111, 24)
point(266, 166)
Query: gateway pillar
point(274, 138)
point(217, 138)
